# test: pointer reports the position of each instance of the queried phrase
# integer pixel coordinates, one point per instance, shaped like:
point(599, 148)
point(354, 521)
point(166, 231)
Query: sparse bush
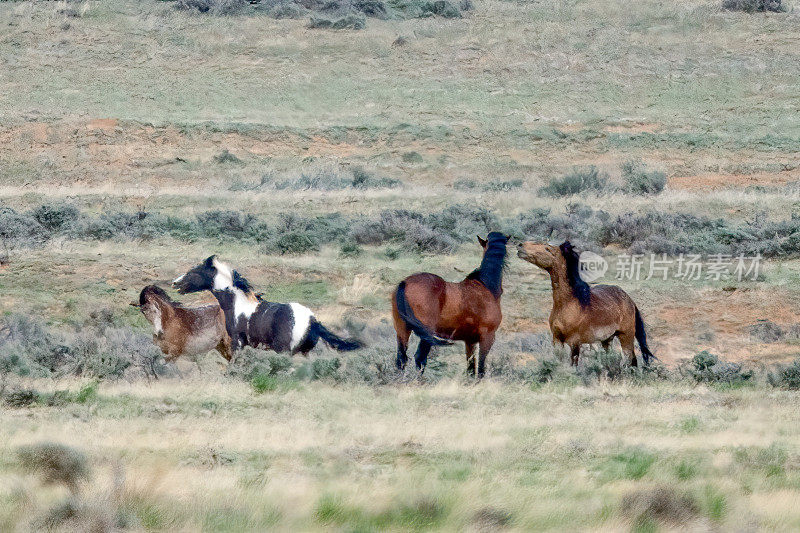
point(21, 397)
point(350, 249)
point(660, 505)
point(754, 6)
point(639, 180)
point(214, 7)
point(707, 368)
point(55, 463)
point(56, 217)
point(262, 383)
point(325, 368)
point(347, 22)
point(225, 156)
point(295, 242)
point(766, 331)
point(785, 376)
point(224, 223)
point(370, 366)
point(578, 181)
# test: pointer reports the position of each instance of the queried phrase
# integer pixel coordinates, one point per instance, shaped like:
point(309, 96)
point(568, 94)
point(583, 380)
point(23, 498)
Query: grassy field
point(135, 106)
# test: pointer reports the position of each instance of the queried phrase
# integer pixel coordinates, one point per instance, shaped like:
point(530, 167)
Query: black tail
point(641, 336)
point(412, 322)
point(317, 330)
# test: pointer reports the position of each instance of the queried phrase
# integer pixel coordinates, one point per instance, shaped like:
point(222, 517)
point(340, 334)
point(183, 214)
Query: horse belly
point(201, 342)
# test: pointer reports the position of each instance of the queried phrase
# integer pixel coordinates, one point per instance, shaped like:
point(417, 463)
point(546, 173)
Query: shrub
point(224, 223)
point(639, 180)
point(370, 366)
point(754, 6)
point(214, 7)
point(21, 397)
point(325, 368)
point(56, 217)
point(577, 181)
point(295, 242)
point(707, 368)
point(364, 180)
point(786, 376)
point(766, 331)
point(55, 463)
point(350, 249)
point(658, 505)
point(347, 22)
point(225, 156)
point(262, 383)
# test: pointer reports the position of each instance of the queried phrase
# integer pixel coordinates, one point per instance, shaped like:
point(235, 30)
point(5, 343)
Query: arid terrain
point(137, 139)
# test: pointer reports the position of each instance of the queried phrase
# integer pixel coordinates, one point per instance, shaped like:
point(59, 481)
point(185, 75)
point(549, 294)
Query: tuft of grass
point(632, 463)
point(55, 463)
point(648, 508)
point(262, 383)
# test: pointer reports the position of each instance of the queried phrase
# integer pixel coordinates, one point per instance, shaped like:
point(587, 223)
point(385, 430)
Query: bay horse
point(180, 330)
point(584, 314)
point(440, 312)
point(252, 321)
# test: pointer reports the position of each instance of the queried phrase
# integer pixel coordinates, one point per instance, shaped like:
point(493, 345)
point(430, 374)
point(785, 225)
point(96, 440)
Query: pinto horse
point(582, 314)
point(180, 330)
point(252, 321)
point(439, 311)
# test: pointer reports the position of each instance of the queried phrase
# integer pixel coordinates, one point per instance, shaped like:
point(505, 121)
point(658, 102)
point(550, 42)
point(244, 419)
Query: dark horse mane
point(580, 289)
point(490, 273)
point(158, 292)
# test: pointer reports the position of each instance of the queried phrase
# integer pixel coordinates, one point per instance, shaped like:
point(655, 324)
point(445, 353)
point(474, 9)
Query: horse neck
point(562, 292)
point(490, 273)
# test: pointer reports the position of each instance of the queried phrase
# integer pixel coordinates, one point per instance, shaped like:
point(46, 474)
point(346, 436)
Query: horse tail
point(317, 330)
point(641, 336)
point(405, 312)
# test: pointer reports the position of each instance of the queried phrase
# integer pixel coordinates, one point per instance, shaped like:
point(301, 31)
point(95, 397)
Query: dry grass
point(390, 457)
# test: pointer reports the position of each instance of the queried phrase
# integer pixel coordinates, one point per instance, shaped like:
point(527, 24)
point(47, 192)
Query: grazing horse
point(439, 311)
point(582, 314)
point(180, 330)
point(251, 321)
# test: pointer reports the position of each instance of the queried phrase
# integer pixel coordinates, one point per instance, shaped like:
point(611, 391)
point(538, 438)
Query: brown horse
point(439, 311)
point(180, 330)
point(582, 314)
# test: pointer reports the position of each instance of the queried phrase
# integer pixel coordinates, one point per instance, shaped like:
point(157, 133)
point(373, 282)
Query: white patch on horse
point(223, 279)
point(302, 321)
point(157, 326)
point(243, 304)
point(176, 280)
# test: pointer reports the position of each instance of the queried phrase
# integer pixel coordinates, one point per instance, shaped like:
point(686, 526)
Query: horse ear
point(210, 261)
point(482, 242)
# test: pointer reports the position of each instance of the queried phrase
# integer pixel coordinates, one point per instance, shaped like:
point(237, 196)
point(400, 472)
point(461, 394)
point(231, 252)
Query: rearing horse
point(439, 311)
point(582, 314)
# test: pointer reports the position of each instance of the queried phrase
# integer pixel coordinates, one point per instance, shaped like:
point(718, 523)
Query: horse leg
point(421, 359)
point(470, 348)
point(626, 341)
point(486, 343)
point(575, 352)
point(224, 349)
point(402, 349)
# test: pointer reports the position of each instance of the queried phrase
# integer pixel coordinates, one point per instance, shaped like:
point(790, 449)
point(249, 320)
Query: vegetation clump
point(639, 180)
point(588, 179)
point(754, 6)
point(706, 367)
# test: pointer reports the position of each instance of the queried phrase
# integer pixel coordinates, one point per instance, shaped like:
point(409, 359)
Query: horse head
point(544, 255)
point(209, 275)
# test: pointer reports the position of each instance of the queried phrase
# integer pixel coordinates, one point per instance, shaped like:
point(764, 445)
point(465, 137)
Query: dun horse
point(251, 321)
point(180, 330)
point(439, 311)
point(582, 314)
